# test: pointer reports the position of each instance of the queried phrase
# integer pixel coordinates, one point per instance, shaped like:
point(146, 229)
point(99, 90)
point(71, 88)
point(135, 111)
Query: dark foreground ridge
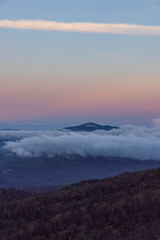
point(126, 207)
point(90, 127)
point(12, 195)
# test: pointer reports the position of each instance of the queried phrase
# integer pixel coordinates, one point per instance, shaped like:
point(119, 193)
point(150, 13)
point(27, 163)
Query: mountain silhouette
point(91, 127)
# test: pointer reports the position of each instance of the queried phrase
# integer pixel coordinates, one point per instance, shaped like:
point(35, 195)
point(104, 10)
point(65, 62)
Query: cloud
point(128, 141)
point(116, 56)
point(85, 27)
point(156, 122)
point(11, 134)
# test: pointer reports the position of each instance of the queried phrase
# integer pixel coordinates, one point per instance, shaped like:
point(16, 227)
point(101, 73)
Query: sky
point(65, 62)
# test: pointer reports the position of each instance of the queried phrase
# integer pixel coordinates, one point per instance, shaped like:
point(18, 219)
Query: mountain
point(20, 172)
point(9, 195)
point(126, 207)
point(12, 195)
point(8, 129)
point(90, 127)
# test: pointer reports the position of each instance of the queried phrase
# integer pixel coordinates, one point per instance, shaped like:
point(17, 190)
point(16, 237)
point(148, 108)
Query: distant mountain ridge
point(18, 172)
point(90, 127)
point(8, 129)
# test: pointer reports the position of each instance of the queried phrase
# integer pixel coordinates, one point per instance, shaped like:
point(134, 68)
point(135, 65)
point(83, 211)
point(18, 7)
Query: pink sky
point(21, 100)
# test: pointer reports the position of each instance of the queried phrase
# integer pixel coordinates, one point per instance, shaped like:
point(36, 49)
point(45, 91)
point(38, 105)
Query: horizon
point(52, 125)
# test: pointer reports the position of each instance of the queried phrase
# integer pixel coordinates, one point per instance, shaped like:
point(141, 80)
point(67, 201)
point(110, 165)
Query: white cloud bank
point(86, 27)
point(129, 141)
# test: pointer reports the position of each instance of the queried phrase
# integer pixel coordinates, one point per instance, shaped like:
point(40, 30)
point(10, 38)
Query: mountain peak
point(91, 124)
point(90, 127)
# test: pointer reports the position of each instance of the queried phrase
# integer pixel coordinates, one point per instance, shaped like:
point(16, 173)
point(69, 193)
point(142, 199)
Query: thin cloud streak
point(85, 27)
point(116, 56)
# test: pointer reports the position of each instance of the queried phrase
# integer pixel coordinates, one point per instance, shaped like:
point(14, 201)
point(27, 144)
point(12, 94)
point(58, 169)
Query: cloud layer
point(129, 141)
point(86, 27)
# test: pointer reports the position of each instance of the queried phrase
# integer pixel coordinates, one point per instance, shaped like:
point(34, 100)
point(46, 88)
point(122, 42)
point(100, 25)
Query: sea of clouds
point(139, 142)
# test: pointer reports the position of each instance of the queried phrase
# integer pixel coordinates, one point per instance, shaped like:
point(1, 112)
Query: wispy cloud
point(86, 27)
point(115, 56)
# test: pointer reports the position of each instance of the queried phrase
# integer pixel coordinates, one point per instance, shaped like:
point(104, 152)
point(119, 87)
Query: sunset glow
point(69, 69)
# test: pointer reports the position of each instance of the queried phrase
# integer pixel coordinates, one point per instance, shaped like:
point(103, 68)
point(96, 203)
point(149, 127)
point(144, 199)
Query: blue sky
point(61, 76)
point(137, 11)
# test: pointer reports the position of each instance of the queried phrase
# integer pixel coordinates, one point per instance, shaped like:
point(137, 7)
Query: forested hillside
point(10, 195)
point(126, 207)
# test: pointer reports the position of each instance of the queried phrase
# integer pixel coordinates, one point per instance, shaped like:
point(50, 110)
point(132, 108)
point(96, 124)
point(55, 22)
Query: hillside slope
point(9, 195)
point(126, 207)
